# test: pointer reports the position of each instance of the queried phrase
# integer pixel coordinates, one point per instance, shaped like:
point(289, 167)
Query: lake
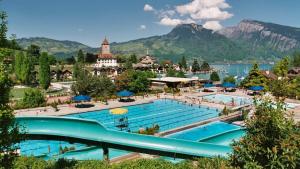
point(240, 71)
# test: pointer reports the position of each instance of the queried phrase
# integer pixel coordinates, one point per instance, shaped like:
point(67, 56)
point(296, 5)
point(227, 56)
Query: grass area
point(18, 93)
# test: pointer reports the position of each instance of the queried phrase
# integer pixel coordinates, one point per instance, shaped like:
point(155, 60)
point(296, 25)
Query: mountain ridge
point(248, 40)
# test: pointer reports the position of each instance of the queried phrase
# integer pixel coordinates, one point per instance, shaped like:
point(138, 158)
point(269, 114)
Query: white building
point(105, 58)
point(106, 62)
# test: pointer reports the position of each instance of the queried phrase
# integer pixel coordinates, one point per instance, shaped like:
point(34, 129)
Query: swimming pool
point(168, 114)
point(219, 133)
point(238, 100)
point(227, 99)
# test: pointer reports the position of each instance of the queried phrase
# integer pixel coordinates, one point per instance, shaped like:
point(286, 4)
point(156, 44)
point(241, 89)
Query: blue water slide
point(93, 133)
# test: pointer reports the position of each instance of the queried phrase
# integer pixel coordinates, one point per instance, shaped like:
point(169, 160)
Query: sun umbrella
point(228, 85)
point(125, 93)
point(206, 85)
point(118, 111)
point(256, 88)
point(80, 98)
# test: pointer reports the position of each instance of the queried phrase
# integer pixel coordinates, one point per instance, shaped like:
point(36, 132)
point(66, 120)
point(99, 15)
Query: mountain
point(55, 47)
point(265, 40)
point(246, 41)
point(190, 40)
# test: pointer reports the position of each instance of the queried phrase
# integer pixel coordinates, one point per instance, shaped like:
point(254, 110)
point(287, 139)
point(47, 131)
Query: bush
point(32, 98)
point(272, 139)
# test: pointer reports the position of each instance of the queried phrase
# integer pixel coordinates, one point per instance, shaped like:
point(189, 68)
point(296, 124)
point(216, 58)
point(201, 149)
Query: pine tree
point(195, 66)
point(80, 56)
point(27, 68)
point(18, 64)
point(214, 76)
point(44, 71)
point(182, 63)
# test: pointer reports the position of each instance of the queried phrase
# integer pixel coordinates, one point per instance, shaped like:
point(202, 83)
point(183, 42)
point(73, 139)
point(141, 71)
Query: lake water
point(237, 70)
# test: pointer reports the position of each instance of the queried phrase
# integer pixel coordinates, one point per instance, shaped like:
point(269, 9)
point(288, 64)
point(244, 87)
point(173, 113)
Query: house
point(61, 75)
point(173, 82)
point(269, 74)
point(294, 72)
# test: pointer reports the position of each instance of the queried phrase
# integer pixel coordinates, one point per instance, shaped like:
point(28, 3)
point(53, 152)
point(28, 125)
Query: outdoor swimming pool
point(227, 99)
point(238, 100)
point(168, 114)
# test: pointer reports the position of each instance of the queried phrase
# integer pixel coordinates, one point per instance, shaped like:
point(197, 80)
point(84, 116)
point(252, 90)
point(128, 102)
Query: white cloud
point(167, 21)
point(205, 9)
point(209, 12)
point(143, 27)
point(213, 13)
point(148, 7)
point(213, 25)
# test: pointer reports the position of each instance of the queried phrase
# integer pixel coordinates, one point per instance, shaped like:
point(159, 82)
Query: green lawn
point(18, 93)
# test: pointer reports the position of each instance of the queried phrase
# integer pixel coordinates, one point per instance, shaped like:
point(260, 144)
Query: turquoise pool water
point(204, 131)
point(227, 99)
point(168, 114)
point(219, 133)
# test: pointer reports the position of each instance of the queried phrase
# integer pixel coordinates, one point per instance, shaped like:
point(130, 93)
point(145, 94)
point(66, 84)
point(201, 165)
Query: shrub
point(32, 98)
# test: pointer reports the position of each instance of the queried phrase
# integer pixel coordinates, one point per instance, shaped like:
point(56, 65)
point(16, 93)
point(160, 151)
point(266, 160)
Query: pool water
point(204, 131)
point(219, 133)
point(168, 114)
point(227, 99)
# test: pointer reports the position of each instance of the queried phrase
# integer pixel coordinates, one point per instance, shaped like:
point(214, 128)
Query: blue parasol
point(125, 93)
point(228, 85)
point(256, 88)
point(80, 98)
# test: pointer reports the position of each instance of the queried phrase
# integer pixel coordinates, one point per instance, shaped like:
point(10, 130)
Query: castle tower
point(105, 57)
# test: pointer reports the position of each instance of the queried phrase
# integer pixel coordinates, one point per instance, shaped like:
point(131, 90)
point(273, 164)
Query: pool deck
point(191, 97)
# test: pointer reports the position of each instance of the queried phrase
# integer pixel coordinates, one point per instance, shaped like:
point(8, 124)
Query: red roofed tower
point(105, 58)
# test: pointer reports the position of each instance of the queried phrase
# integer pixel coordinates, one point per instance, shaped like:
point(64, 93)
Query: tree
point(80, 56)
point(70, 60)
point(171, 72)
point(51, 60)
point(18, 64)
point(33, 51)
point(281, 67)
point(32, 98)
point(182, 63)
point(255, 78)
point(13, 42)
point(96, 86)
point(272, 139)
point(136, 81)
point(229, 79)
point(133, 58)
point(205, 66)
point(90, 58)
point(128, 64)
point(195, 66)
point(296, 59)
point(77, 70)
point(44, 71)
point(214, 76)
point(27, 67)
point(9, 130)
point(3, 29)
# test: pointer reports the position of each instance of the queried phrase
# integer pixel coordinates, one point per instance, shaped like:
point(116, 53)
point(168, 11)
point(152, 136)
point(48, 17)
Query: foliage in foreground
point(9, 131)
point(203, 163)
point(272, 139)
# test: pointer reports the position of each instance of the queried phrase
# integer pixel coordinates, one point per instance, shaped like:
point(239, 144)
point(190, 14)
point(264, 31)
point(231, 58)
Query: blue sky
point(88, 21)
